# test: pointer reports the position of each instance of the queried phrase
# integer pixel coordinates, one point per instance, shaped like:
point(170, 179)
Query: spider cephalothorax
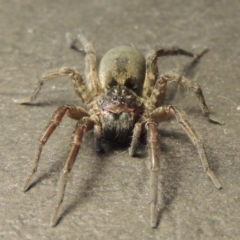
point(125, 97)
point(120, 110)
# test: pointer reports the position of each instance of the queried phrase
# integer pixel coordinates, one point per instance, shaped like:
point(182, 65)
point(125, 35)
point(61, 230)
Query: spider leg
point(152, 68)
point(135, 138)
point(153, 142)
point(73, 112)
point(97, 137)
point(82, 126)
point(158, 94)
point(90, 62)
point(78, 83)
point(191, 132)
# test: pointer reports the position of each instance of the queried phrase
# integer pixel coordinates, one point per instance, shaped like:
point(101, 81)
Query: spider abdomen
point(123, 65)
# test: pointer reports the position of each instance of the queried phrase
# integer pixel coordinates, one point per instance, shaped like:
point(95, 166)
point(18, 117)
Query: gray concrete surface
point(108, 195)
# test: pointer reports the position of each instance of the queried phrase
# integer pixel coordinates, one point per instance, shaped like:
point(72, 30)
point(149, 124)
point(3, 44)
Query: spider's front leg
point(153, 142)
point(163, 113)
point(135, 138)
point(82, 126)
point(73, 112)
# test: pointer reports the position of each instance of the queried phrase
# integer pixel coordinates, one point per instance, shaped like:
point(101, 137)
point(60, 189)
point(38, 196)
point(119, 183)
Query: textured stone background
point(107, 195)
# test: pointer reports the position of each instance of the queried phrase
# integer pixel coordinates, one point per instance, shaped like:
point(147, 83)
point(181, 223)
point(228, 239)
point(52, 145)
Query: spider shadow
point(53, 102)
point(85, 188)
point(168, 190)
point(97, 168)
point(169, 172)
point(110, 147)
point(47, 175)
point(189, 71)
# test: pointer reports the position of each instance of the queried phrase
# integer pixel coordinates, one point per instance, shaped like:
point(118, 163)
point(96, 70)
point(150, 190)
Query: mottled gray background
point(107, 195)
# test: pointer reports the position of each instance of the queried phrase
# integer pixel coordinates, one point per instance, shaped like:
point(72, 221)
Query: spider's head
point(121, 99)
point(120, 109)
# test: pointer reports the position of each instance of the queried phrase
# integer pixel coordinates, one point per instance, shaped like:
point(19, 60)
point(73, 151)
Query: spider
point(123, 100)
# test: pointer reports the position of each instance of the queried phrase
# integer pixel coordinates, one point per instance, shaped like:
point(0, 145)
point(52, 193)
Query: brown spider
point(124, 99)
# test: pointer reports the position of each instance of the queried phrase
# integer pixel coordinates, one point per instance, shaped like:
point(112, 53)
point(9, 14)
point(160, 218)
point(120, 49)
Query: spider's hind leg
point(90, 62)
point(135, 138)
point(152, 68)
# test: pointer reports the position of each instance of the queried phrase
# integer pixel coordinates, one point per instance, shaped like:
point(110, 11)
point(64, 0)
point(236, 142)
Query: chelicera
point(123, 99)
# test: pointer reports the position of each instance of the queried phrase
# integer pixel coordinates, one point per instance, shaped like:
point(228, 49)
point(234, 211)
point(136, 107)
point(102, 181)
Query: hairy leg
point(82, 126)
point(158, 94)
point(167, 112)
point(90, 63)
point(135, 138)
point(153, 143)
point(73, 112)
point(152, 69)
point(78, 83)
point(98, 137)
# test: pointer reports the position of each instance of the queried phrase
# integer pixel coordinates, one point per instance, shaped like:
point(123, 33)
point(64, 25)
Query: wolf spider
point(124, 98)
